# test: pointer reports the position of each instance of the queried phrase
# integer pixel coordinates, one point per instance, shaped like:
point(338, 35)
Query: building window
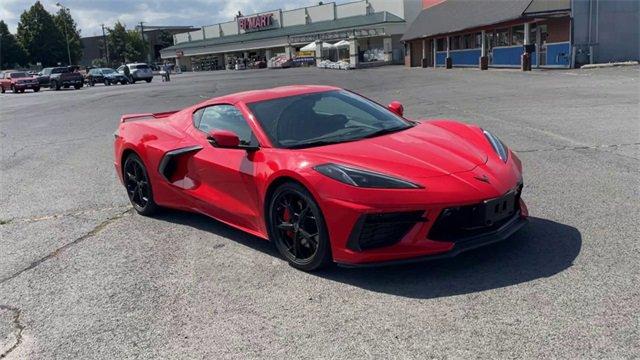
point(467, 41)
point(440, 44)
point(455, 42)
point(517, 35)
point(478, 39)
point(502, 37)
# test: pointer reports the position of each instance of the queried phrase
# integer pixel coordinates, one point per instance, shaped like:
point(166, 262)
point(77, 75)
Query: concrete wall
point(294, 17)
point(323, 12)
point(180, 38)
point(196, 35)
point(229, 28)
point(351, 9)
point(611, 27)
point(212, 31)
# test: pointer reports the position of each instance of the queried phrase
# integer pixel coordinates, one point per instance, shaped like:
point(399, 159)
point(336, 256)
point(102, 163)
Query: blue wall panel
point(507, 56)
point(466, 57)
point(559, 54)
point(440, 58)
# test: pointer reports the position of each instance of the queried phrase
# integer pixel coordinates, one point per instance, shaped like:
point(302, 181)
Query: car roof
point(272, 93)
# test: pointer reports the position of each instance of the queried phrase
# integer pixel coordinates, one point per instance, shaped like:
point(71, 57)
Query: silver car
point(139, 72)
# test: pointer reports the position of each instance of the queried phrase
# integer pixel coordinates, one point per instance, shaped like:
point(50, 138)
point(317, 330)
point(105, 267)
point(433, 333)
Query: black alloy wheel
point(297, 227)
point(136, 181)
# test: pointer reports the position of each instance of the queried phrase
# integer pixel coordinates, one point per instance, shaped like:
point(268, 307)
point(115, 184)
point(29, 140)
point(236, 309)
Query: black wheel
point(36, 89)
point(14, 90)
point(297, 228)
point(21, 91)
point(148, 80)
point(136, 181)
point(56, 85)
point(2, 90)
point(77, 86)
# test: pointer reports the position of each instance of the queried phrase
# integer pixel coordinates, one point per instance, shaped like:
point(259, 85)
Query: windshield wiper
point(313, 143)
point(384, 132)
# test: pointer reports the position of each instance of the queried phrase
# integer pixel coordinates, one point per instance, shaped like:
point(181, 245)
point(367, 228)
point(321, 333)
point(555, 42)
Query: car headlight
point(363, 178)
point(499, 147)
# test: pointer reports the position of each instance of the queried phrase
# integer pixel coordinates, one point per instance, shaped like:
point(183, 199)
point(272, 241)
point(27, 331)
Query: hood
point(422, 151)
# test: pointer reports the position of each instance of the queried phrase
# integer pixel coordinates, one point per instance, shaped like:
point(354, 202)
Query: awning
point(312, 46)
point(341, 43)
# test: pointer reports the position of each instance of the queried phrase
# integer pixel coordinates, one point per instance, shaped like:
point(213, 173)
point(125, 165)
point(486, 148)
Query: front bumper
point(26, 86)
point(503, 233)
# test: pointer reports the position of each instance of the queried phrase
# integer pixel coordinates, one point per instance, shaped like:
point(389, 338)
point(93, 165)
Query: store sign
point(257, 22)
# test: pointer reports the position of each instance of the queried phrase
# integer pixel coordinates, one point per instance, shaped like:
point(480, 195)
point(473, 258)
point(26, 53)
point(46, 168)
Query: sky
point(89, 14)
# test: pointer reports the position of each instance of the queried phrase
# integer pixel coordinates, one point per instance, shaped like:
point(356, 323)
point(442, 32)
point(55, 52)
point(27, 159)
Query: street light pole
point(66, 37)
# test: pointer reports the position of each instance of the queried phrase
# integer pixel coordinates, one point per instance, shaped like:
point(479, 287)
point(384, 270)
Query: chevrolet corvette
point(327, 175)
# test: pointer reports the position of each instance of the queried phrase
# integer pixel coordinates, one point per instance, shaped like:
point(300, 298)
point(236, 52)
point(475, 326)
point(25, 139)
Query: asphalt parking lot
point(82, 276)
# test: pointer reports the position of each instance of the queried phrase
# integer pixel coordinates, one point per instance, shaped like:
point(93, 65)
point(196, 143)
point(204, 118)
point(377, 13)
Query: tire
point(138, 186)
point(106, 82)
point(2, 90)
point(92, 83)
point(148, 80)
point(66, 86)
point(21, 91)
point(14, 90)
point(123, 82)
point(297, 227)
point(36, 89)
point(55, 85)
point(78, 86)
point(133, 81)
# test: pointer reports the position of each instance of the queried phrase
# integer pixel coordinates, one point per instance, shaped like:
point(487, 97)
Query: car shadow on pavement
point(541, 249)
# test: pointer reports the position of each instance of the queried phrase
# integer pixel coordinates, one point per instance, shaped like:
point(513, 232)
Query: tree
point(165, 39)
point(136, 47)
point(40, 37)
point(11, 52)
point(99, 63)
point(117, 42)
point(68, 27)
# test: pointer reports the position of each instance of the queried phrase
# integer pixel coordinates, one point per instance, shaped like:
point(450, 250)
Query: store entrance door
point(416, 53)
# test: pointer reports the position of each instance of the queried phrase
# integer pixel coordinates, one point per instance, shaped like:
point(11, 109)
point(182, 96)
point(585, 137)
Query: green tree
point(11, 52)
point(165, 39)
point(117, 42)
point(40, 37)
point(99, 62)
point(135, 48)
point(68, 27)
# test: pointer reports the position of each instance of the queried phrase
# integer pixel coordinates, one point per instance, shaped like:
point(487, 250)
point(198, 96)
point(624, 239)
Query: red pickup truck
point(18, 81)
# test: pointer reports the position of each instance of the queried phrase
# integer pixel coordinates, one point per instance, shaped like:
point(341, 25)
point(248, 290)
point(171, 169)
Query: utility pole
point(104, 41)
point(66, 37)
point(144, 43)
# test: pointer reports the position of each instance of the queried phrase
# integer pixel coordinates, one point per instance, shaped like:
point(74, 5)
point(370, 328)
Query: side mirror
point(224, 139)
point(396, 107)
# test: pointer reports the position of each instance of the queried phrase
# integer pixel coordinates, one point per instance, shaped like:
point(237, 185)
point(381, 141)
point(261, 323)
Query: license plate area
point(499, 209)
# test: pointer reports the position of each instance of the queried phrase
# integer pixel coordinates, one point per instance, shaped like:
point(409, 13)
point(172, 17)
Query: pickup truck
point(59, 77)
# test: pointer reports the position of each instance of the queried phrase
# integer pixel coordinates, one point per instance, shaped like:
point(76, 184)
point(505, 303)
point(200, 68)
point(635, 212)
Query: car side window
point(224, 117)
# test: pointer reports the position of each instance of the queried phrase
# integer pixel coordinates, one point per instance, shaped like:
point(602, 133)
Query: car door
point(227, 188)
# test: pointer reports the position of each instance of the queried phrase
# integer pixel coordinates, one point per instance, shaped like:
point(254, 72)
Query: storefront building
point(520, 33)
point(364, 33)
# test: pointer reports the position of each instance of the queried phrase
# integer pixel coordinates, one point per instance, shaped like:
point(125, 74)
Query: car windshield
point(60, 70)
point(142, 66)
point(17, 75)
point(324, 118)
point(108, 71)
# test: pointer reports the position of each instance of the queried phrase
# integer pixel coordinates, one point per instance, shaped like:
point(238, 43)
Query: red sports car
point(326, 174)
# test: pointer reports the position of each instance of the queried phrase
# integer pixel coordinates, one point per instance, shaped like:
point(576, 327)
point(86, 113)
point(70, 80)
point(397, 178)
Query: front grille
point(463, 222)
point(383, 229)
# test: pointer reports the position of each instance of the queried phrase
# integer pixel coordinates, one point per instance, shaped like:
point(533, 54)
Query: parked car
point(105, 76)
point(139, 72)
point(18, 81)
point(57, 77)
point(333, 176)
